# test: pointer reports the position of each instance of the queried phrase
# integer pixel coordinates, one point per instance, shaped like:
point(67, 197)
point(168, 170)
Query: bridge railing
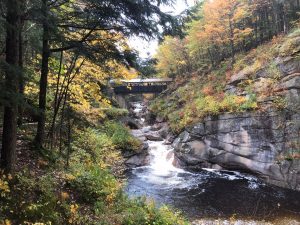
point(154, 85)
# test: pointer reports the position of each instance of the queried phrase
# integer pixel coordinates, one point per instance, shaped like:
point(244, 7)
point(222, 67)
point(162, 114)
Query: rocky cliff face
point(256, 142)
point(265, 143)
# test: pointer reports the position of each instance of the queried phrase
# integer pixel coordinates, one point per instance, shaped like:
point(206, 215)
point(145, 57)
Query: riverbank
point(85, 187)
point(217, 194)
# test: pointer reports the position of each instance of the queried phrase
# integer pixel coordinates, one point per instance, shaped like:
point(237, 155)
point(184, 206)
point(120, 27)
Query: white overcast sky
point(148, 48)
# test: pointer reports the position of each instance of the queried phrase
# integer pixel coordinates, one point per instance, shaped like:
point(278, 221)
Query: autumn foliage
point(222, 29)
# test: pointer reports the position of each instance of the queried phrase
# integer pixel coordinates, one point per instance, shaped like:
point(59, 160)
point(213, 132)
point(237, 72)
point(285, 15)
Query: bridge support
point(121, 101)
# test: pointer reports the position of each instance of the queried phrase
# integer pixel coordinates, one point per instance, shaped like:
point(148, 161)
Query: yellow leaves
point(73, 213)
point(31, 88)
point(4, 186)
point(7, 222)
point(74, 208)
point(69, 177)
point(172, 56)
point(240, 100)
point(64, 195)
point(222, 22)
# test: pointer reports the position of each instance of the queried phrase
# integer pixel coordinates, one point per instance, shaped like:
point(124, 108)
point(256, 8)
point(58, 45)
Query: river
point(209, 193)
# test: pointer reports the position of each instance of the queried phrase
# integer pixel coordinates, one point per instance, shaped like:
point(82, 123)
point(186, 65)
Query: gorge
point(208, 191)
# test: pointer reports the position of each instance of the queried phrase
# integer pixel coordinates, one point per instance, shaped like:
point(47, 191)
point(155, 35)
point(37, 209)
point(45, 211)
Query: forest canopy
point(221, 30)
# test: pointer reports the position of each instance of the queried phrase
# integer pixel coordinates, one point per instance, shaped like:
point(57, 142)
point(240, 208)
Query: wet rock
point(248, 141)
point(138, 134)
point(153, 136)
point(128, 154)
point(133, 124)
point(150, 118)
point(159, 119)
point(170, 138)
point(138, 160)
point(156, 127)
point(164, 131)
point(146, 129)
point(145, 146)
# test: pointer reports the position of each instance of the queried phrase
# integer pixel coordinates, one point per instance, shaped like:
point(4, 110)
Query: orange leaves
point(208, 90)
point(172, 57)
point(223, 22)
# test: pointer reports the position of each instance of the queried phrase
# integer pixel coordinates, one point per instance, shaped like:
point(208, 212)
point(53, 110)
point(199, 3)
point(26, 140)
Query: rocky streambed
point(172, 170)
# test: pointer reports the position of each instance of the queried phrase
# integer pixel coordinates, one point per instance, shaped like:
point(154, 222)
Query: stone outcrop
point(259, 143)
point(138, 160)
point(265, 143)
point(153, 136)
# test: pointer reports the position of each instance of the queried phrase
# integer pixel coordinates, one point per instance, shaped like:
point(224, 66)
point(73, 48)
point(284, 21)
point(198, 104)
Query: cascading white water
point(162, 159)
point(204, 193)
point(161, 170)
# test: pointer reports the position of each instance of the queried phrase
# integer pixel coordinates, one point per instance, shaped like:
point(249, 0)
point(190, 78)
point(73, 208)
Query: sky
point(148, 48)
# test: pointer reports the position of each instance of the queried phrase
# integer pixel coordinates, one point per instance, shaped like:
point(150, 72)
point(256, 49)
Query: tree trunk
point(8, 152)
point(231, 42)
point(40, 135)
point(21, 77)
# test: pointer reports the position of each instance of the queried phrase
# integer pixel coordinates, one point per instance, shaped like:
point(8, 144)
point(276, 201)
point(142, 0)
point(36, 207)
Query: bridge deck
point(153, 85)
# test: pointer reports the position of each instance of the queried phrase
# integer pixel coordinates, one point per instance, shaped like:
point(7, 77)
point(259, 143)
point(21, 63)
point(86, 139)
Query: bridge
point(140, 86)
point(137, 86)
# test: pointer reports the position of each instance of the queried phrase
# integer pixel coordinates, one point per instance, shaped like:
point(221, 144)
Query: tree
point(172, 57)
point(84, 18)
point(224, 22)
point(146, 67)
point(13, 26)
point(44, 74)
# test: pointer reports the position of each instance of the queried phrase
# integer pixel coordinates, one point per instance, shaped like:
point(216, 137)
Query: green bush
point(95, 184)
point(96, 144)
point(31, 199)
point(121, 136)
point(141, 212)
point(115, 113)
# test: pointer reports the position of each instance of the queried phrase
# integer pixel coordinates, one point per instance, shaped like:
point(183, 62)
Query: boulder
point(138, 160)
point(164, 131)
point(156, 127)
point(153, 136)
point(133, 124)
point(139, 135)
point(239, 77)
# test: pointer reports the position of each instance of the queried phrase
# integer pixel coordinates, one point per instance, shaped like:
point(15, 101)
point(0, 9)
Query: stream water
point(209, 193)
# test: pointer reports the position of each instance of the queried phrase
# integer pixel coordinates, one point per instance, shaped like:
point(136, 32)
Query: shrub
point(121, 136)
point(95, 184)
point(115, 113)
point(141, 212)
point(31, 199)
point(95, 143)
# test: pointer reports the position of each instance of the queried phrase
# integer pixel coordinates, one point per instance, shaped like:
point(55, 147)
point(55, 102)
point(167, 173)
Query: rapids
point(209, 193)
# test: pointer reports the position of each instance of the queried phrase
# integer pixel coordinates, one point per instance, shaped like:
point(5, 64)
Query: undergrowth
point(195, 96)
point(86, 191)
